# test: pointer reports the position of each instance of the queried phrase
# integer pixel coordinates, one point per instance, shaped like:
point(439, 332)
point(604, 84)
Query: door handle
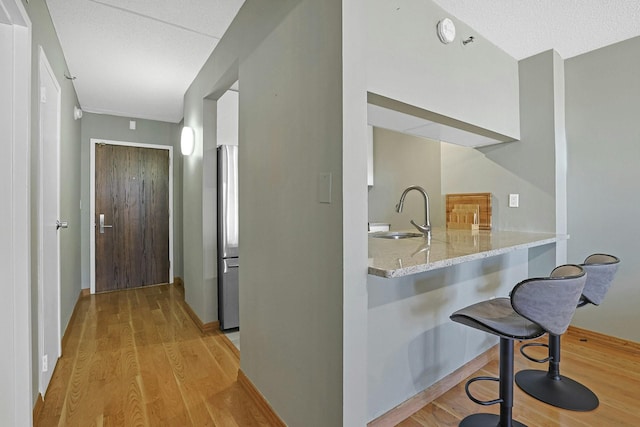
point(102, 225)
point(61, 224)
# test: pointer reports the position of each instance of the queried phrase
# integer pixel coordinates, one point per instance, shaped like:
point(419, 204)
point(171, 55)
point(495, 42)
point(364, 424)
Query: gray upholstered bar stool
point(549, 386)
point(536, 306)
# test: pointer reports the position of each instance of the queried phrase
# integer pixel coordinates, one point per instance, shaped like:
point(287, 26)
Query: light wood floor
point(135, 358)
point(610, 369)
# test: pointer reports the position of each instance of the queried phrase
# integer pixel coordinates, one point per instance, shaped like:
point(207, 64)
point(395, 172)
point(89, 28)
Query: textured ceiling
point(136, 58)
point(571, 27)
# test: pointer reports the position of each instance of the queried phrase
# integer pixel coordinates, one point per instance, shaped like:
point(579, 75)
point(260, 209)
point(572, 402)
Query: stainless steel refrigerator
point(228, 261)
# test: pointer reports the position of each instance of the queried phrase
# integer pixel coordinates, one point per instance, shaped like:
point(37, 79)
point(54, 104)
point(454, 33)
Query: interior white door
point(49, 283)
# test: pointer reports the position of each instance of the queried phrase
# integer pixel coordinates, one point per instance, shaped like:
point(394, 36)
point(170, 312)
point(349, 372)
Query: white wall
point(476, 83)
point(16, 386)
point(603, 134)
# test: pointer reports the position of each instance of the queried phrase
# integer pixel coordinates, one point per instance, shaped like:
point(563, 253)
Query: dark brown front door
point(132, 237)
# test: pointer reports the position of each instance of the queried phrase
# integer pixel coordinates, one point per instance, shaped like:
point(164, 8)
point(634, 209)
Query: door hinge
point(43, 94)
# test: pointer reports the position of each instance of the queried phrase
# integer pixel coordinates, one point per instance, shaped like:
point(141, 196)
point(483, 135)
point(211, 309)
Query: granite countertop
point(392, 258)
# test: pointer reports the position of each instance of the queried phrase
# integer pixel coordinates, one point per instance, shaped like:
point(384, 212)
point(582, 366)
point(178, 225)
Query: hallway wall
point(288, 58)
point(44, 35)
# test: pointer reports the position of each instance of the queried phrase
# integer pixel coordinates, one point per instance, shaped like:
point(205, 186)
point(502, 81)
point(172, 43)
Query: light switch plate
point(514, 200)
point(132, 124)
point(324, 187)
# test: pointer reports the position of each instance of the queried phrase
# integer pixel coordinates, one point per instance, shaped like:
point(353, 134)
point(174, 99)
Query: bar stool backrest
point(551, 301)
point(600, 269)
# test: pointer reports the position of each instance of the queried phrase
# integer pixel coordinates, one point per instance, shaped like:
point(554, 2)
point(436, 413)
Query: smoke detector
point(446, 30)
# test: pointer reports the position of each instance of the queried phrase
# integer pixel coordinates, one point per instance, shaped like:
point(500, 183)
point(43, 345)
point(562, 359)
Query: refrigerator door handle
point(230, 263)
point(228, 200)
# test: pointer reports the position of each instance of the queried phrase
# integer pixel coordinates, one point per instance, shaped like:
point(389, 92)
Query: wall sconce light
point(187, 141)
point(77, 113)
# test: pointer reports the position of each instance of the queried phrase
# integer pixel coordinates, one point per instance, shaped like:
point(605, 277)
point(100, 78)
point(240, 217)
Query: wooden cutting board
point(482, 200)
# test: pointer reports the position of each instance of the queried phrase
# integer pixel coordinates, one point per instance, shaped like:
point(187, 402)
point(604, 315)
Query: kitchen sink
point(395, 235)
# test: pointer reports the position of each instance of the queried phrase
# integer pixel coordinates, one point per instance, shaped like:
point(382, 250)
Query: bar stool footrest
point(534, 344)
point(478, 401)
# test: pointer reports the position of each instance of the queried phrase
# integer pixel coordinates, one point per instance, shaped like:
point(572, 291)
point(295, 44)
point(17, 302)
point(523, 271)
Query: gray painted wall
point(291, 245)
point(476, 83)
point(287, 57)
point(603, 134)
point(355, 138)
point(115, 128)
point(44, 35)
point(526, 167)
point(209, 206)
point(401, 160)
point(254, 21)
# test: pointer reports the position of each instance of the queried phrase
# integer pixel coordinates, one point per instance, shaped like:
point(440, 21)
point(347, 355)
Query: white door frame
point(16, 397)
point(47, 334)
point(92, 208)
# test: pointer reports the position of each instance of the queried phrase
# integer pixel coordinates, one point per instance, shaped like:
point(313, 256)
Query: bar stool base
point(487, 420)
point(564, 393)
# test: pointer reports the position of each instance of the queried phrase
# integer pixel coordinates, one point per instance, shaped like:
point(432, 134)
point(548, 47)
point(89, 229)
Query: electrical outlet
point(45, 363)
point(514, 200)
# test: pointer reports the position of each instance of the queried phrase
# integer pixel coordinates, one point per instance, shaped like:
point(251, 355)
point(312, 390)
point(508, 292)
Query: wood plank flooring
point(135, 358)
point(611, 370)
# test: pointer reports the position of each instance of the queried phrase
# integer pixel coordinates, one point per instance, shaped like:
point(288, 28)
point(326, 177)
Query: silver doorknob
point(61, 224)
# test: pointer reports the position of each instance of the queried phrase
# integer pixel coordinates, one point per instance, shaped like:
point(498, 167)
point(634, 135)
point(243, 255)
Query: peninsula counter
point(412, 289)
point(402, 257)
